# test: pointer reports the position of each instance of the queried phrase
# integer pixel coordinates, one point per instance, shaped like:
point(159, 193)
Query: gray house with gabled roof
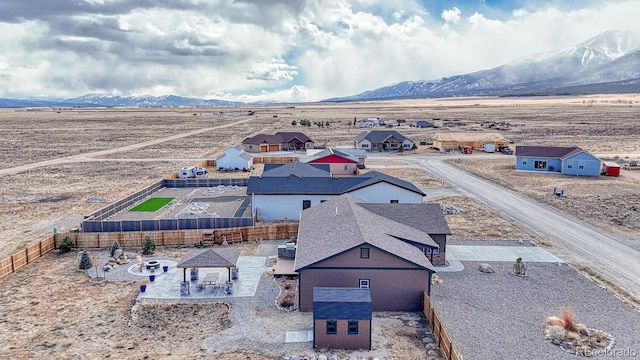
point(342, 244)
point(382, 140)
point(283, 191)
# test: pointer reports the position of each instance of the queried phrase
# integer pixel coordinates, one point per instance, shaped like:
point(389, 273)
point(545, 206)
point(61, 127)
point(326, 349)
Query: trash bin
point(194, 274)
point(234, 274)
point(228, 287)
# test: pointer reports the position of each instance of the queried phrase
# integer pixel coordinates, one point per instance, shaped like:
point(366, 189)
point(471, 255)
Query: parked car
point(506, 150)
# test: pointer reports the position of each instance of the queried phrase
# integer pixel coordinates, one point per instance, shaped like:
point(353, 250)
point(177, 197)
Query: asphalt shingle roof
point(425, 217)
point(280, 181)
point(379, 136)
point(297, 169)
point(547, 151)
point(342, 303)
point(341, 224)
point(209, 258)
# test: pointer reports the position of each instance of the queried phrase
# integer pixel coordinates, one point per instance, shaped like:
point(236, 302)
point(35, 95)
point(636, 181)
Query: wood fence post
point(13, 267)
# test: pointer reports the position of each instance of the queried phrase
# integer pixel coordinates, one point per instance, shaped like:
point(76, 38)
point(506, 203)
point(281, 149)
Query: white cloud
point(452, 15)
point(282, 50)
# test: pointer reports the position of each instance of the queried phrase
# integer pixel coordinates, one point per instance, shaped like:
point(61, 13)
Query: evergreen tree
point(149, 246)
point(85, 261)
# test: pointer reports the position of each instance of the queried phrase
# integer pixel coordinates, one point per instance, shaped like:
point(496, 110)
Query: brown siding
point(440, 259)
point(342, 340)
point(396, 285)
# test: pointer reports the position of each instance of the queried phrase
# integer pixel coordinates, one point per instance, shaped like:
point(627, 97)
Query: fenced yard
point(446, 346)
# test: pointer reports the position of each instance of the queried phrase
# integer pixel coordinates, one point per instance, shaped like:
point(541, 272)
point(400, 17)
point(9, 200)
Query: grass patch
point(153, 204)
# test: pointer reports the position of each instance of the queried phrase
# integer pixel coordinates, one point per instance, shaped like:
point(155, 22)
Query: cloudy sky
point(287, 50)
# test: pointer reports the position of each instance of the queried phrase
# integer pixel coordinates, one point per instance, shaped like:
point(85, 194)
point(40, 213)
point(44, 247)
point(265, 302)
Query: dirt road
point(92, 155)
point(572, 240)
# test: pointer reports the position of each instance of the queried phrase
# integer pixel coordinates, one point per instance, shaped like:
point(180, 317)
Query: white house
point(283, 191)
point(234, 158)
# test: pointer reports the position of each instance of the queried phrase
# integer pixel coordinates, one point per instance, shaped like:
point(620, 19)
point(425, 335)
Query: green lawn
point(153, 204)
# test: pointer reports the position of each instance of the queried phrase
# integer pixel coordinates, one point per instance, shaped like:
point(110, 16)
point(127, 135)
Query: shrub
point(85, 261)
point(149, 246)
point(287, 301)
point(114, 247)
point(287, 286)
point(568, 316)
point(66, 245)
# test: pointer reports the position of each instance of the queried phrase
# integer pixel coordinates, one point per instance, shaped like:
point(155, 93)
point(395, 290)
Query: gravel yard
point(501, 316)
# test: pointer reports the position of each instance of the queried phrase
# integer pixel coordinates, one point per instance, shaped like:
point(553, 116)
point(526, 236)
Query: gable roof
point(262, 139)
point(469, 136)
point(312, 181)
point(241, 152)
point(209, 258)
point(424, 217)
point(547, 151)
point(287, 136)
point(297, 169)
point(351, 226)
point(329, 152)
point(379, 136)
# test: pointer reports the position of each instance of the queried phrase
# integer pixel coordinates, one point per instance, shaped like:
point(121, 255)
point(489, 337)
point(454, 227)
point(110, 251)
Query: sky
point(277, 50)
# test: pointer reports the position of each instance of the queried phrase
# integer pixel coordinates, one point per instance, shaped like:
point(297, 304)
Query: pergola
point(209, 258)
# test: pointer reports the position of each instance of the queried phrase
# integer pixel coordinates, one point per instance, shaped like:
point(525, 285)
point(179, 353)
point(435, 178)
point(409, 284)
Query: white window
point(570, 165)
point(364, 283)
point(581, 165)
point(427, 251)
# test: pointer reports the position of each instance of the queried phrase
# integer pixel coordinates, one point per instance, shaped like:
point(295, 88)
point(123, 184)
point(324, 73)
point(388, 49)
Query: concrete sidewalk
point(456, 254)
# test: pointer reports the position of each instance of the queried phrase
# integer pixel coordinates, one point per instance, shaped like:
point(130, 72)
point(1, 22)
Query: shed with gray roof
point(342, 318)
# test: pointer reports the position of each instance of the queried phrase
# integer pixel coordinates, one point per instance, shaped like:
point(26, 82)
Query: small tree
point(85, 261)
point(326, 124)
point(114, 247)
point(294, 123)
point(354, 121)
point(149, 246)
point(414, 147)
point(66, 245)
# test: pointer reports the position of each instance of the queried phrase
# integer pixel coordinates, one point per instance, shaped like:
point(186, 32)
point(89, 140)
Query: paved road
point(86, 157)
point(585, 244)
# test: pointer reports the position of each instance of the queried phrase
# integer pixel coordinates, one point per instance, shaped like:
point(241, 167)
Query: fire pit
point(152, 264)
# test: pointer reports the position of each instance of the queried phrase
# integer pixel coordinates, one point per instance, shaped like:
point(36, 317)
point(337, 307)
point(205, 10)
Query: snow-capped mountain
point(610, 57)
point(144, 100)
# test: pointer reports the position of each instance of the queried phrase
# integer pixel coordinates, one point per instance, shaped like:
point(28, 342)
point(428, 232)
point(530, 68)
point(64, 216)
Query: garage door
point(274, 148)
point(263, 148)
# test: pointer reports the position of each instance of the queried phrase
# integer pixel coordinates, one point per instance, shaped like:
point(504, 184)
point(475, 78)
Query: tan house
point(456, 140)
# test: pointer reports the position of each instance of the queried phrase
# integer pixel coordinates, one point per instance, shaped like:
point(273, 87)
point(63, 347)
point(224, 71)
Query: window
point(428, 251)
point(539, 164)
point(364, 253)
point(364, 283)
point(352, 328)
point(332, 327)
point(347, 167)
point(306, 204)
point(321, 201)
point(364, 145)
point(524, 162)
point(581, 165)
point(570, 165)
point(394, 201)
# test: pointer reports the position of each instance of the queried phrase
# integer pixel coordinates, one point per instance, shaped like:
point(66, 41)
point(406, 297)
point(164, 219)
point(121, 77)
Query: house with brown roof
point(343, 244)
point(554, 159)
point(280, 141)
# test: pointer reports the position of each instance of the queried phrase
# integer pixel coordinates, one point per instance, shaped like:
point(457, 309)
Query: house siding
point(383, 192)
point(283, 207)
point(526, 163)
point(590, 165)
point(395, 284)
point(342, 339)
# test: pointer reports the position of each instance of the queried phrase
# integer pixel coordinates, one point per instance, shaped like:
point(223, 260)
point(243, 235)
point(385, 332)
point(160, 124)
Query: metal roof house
point(234, 158)
point(340, 162)
point(382, 140)
point(342, 318)
point(564, 160)
point(279, 141)
point(283, 191)
point(342, 244)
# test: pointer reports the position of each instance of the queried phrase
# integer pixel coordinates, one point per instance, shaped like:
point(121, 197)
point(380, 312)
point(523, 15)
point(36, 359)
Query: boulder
point(333, 357)
point(486, 268)
point(322, 357)
point(294, 357)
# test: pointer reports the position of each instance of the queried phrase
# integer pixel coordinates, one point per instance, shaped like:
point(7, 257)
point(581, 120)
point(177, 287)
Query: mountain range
point(606, 63)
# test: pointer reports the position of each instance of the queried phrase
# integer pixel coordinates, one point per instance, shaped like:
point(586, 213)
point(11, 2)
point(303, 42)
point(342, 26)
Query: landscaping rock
point(294, 357)
point(322, 357)
point(486, 268)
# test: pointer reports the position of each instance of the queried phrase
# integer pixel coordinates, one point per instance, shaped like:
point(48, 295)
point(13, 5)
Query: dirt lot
point(51, 309)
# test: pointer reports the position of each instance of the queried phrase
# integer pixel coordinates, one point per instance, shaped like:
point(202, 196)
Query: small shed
point(342, 318)
point(234, 158)
point(610, 168)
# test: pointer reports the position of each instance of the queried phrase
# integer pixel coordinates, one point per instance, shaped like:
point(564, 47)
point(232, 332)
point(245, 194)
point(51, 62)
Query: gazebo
point(209, 258)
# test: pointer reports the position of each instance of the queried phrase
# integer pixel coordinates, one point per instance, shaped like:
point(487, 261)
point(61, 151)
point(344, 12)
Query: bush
point(66, 245)
point(149, 246)
point(114, 247)
point(287, 301)
point(287, 286)
point(85, 261)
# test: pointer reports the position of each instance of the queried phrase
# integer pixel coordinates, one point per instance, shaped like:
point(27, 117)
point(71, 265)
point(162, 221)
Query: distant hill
point(93, 100)
point(609, 62)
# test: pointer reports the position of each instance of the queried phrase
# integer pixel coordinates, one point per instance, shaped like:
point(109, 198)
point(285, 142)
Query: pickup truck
point(506, 150)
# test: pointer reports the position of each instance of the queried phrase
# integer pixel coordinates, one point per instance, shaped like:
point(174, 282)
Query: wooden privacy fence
point(443, 339)
point(136, 239)
point(24, 257)
point(181, 237)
